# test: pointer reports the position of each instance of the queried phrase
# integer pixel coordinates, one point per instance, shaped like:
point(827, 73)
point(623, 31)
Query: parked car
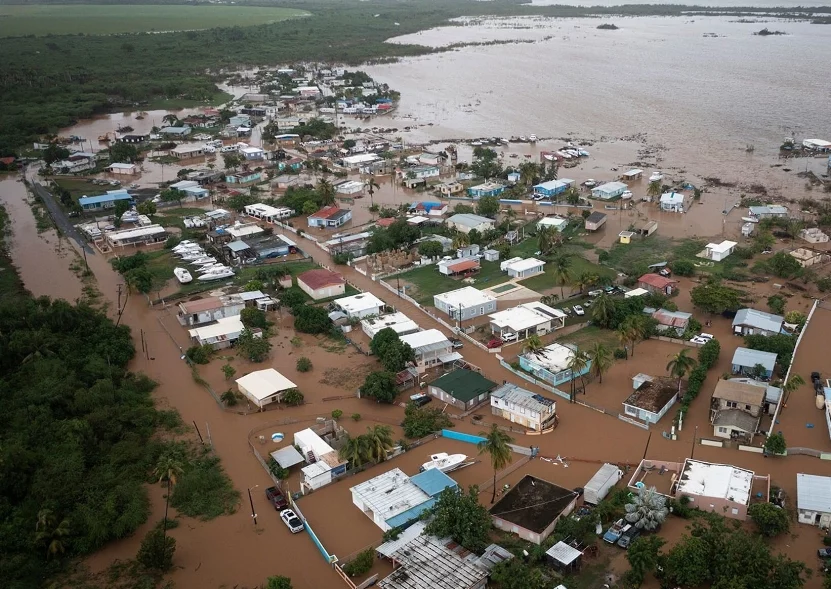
point(457, 343)
point(495, 343)
point(421, 399)
point(595, 293)
point(291, 520)
point(566, 310)
point(824, 552)
point(579, 310)
point(508, 337)
point(276, 498)
point(707, 336)
point(628, 537)
point(665, 272)
point(699, 340)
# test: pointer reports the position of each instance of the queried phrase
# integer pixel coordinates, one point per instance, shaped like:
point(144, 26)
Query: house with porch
point(466, 222)
point(718, 251)
point(525, 320)
point(652, 398)
point(462, 388)
point(672, 202)
point(244, 178)
point(104, 201)
point(486, 189)
point(754, 363)
point(552, 187)
point(522, 269)
point(755, 322)
point(398, 322)
point(209, 309)
point(465, 303)
point(521, 406)
point(552, 363)
point(609, 190)
point(735, 409)
point(459, 266)
point(655, 283)
point(330, 217)
point(263, 387)
point(431, 347)
point(360, 305)
point(222, 334)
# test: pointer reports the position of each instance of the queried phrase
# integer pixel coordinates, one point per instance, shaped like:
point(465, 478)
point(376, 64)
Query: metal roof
point(465, 297)
point(414, 531)
point(432, 481)
point(511, 393)
point(109, 197)
point(758, 319)
point(426, 563)
point(748, 357)
point(736, 418)
point(426, 341)
point(469, 220)
point(563, 553)
point(287, 457)
point(813, 492)
point(237, 246)
point(463, 384)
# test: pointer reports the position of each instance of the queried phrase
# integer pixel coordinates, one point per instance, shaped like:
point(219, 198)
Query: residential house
point(633, 174)
point(458, 266)
point(755, 322)
point(209, 309)
point(523, 407)
point(144, 235)
point(446, 242)
point(552, 187)
point(813, 500)
point(557, 223)
point(467, 251)
point(466, 222)
point(719, 488)
point(393, 499)
point(813, 235)
point(462, 388)
point(522, 269)
point(240, 121)
point(72, 165)
point(349, 187)
point(267, 212)
point(652, 397)
point(330, 217)
point(354, 244)
point(595, 221)
point(360, 306)
point(431, 347)
point(252, 154)
point(754, 363)
point(735, 409)
point(428, 208)
point(242, 230)
point(772, 394)
point(420, 172)
point(221, 334)
point(244, 178)
point(293, 163)
point(532, 508)
point(431, 159)
point(175, 132)
point(514, 177)
point(486, 189)
point(465, 303)
point(609, 190)
point(321, 283)
point(427, 562)
point(322, 461)
point(656, 283)
point(398, 322)
point(191, 189)
point(104, 201)
point(525, 320)
point(354, 162)
point(263, 387)
point(671, 323)
point(185, 151)
point(552, 363)
point(718, 251)
point(287, 139)
point(672, 202)
point(122, 169)
point(767, 211)
point(807, 257)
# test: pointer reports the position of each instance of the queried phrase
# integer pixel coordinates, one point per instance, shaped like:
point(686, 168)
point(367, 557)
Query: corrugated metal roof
point(813, 492)
point(758, 319)
point(748, 357)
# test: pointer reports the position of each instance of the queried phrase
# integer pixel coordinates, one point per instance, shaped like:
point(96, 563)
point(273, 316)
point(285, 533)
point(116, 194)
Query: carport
point(287, 457)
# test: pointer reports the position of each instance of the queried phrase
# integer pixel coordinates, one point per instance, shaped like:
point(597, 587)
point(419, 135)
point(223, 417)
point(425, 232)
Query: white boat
point(656, 176)
point(203, 260)
point(182, 275)
point(195, 255)
point(750, 219)
point(532, 138)
point(444, 462)
point(210, 268)
point(217, 274)
point(626, 195)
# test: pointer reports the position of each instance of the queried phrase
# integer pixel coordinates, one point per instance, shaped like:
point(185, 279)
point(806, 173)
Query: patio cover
point(287, 457)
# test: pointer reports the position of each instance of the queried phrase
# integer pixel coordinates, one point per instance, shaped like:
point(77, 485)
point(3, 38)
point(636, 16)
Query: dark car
point(630, 536)
point(421, 399)
point(276, 498)
point(824, 552)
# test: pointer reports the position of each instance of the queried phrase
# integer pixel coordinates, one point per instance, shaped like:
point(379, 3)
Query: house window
point(734, 511)
point(631, 410)
point(747, 407)
point(481, 310)
point(722, 430)
point(522, 410)
point(732, 404)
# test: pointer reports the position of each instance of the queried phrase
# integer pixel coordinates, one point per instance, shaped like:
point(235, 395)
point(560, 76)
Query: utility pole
point(692, 450)
point(251, 501)
point(460, 316)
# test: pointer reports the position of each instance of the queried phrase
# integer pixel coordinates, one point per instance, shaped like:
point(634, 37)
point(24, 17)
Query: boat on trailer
point(444, 462)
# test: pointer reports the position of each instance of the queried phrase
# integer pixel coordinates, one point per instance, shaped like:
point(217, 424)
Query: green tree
point(124, 153)
point(647, 510)
point(325, 192)
point(392, 353)
point(51, 533)
point(422, 421)
point(548, 238)
point(643, 556)
point(430, 249)
point(380, 386)
point(496, 446)
point(54, 152)
point(577, 364)
point(683, 268)
point(529, 173)
point(776, 304)
point(253, 318)
point(602, 310)
point(487, 206)
point(784, 265)
point(168, 469)
point(232, 160)
point(337, 414)
point(230, 398)
point(516, 574)
point(310, 207)
point(561, 271)
point(716, 299)
point(586, 280)
point(533, 344)
point(172, 195)
point(303, 364)
point(252, 347)
point(156, 551)
point(601, 359)
point(770, 519)
point(121, 207)
point(355, 450)
point(460, 516)
point(486, 163)
point(680, 365)
point(293, 397)
point(654, 189)
point(775, 444)
point(147, 207)
point(311, 320)
point(378, 442)
point(278, 582)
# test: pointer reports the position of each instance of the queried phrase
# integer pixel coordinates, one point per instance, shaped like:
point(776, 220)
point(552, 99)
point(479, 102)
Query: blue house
point(294, 163)
point(552, 187)
point(486, 189)
point(240, 121)
point(104, 201)
point(747, 362)
point(551, 364)
point(243, 177)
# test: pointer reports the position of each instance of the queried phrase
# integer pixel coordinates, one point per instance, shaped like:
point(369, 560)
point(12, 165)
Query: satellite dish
point(277, 437)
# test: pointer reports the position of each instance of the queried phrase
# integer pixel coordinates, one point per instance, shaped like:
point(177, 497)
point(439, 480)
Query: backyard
point(424, 282)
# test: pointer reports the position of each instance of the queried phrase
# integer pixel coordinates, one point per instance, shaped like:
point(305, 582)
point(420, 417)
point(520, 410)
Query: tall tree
point(460, 516)
point(169, 468)
point(681, 365)
point(586, 280)
point(533, 344)
point(654, 189)
point(355, 450)
point(371, 186)
point(496, 446)
point(51, 533)
point(379, 441)
point(647, 510)
point(562, 271)
point(577, 365)
point(601, 359)
point(643, 556)
point(602, 310)
point(325, 192)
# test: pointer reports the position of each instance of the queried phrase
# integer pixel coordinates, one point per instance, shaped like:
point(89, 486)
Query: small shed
point(262, 387)
point(595, 221)
point(626, 236)
point(563, 557)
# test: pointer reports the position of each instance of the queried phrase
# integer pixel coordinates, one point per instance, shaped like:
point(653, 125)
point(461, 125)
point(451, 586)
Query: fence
point(681, 342)
point(330, 559)
point(639, 424)
point(533, 380)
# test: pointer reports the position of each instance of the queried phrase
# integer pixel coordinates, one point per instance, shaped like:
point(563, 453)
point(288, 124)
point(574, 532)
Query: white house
point(398, 322)
point(718, 251)
point(651, 398)
point(609, 190)
point(221, 334)
point(320, 283)
point(527, 319)
point(466, 222)
point(431, 347)
point(672, 202)
point(125, 169)
point(518, 405)
point(522, 269)
point(187, 151)
point(350, 187)
point(813, 499)
point(753, 321)
point(263, 387)
point(360, 305)
point(557, 223)
point(268, 212)
point(322, 460)
point(209, 309)
point(465, 303)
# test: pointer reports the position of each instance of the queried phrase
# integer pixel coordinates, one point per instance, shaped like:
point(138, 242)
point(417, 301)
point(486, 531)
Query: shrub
point(775, 444)
point(361, 564)
point(199, 354)
point(620, 354)
point(229, 398)
point(341, 259)
point(293, 397)
point(337, 414)
point(770, 519)
point(356, 417)
point(156, 551)
point(683, 268)
point(229, 371)
point(253, 318)
point(776, 304)
point(304, 364)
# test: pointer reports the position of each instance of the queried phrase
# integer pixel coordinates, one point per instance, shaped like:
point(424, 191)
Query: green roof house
point(462, 388)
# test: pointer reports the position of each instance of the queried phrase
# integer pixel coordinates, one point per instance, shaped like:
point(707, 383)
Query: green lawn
point(428, 281)
point(578, 266)
point(585, 337)
point(79, 187)
point(66, 19)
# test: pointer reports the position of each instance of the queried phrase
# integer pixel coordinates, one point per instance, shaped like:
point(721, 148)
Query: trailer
point(603, 480)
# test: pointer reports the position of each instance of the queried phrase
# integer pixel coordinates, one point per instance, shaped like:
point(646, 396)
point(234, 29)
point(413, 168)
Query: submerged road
point(59, 216)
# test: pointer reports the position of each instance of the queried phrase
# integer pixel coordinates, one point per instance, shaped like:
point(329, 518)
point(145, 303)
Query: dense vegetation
point(50, 82)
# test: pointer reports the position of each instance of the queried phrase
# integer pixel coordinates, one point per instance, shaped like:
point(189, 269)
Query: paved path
point(59, 216)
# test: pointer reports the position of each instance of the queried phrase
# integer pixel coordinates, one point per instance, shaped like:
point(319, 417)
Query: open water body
point(704, 99)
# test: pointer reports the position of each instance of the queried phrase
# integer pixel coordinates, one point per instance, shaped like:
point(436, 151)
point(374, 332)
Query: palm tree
point(528, 173)
point(51, 534)
point(378, 442)
point(371, 185)
point(793, 383)
point(562, 271)
point(602, 309)
point(648, 509)
point(586, 280)
point(654, 190)
point(534, 344)
point(326, 192)
point(461, 240)
point(624, 336)
point(168, 468)
point(635, 327)
point(680, 365)
point(496, 444)
point(577, 364)
point(601, 358)
point(354, 450)
point(510, 215)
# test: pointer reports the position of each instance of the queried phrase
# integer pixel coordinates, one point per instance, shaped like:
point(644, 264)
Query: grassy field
point(585, 337)
point(546, 281)
point(64, 19)
point(428, 281)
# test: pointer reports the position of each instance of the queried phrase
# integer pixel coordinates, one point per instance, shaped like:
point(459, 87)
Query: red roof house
point(321, 283)
point(656, 283)
point(385, 222)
